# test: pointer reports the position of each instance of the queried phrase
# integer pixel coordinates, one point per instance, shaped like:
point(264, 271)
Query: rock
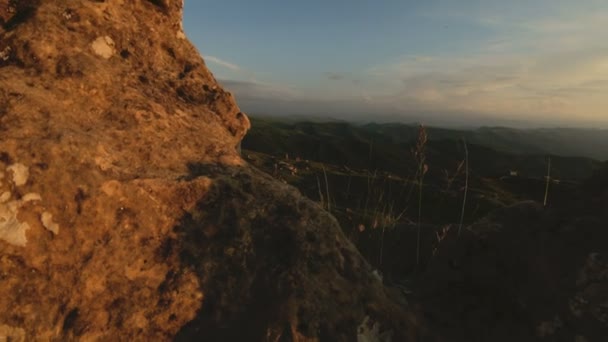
point(591, 298)
point(521, 274)
point(113, 129)
point(8, 333)
point(369, 331)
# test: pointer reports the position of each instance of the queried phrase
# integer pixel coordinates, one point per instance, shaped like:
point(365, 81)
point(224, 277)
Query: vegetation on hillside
point(368, 177)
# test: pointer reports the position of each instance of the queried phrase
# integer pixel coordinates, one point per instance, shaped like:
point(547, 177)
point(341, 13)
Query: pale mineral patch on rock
point(32, 196)
point(5, 197)
point(104, 47)
point(47, 221)
point(20, 173)
point(5, 54)
point(11, 230)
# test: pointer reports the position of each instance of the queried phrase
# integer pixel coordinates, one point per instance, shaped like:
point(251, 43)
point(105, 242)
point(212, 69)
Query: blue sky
point(484, 62)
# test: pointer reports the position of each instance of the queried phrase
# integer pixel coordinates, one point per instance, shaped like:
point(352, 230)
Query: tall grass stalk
point(419, 223)
point(548, 181)
point(348, 186)
point(320, 193)
point(466, 184)
point(382, 245)
point(327, 189)
point(419, 154)
point(449, 183)
point(371, 181)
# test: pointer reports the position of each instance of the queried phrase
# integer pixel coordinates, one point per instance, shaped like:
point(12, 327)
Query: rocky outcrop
point(125, 210)
point(524, 273)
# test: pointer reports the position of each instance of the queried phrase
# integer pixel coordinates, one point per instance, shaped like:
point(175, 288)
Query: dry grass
point(466, 185)
point(420, 156)
point(378, 210)
point(548, 181)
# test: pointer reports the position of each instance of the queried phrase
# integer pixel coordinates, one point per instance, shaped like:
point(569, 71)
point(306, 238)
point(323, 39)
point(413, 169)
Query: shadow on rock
point(274, 266)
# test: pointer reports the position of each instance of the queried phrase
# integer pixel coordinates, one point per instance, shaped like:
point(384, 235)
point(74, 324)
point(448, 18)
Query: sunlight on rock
point(11, 334)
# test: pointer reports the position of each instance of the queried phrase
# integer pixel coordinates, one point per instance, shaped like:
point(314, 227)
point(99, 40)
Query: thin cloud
point(253, 90)
point(223, 63)
point(546, 62)
point(549, 68)
point(334, 76)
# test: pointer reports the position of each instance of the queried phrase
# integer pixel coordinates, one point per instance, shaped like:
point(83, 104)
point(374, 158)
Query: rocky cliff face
point(125, 210)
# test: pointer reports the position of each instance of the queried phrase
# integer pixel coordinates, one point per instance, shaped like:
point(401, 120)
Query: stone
point(115, 130)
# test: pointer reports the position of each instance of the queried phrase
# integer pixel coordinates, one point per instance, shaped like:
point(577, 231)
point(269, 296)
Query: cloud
point(223, 63)
point(552, 68)
point(253, 90)
point(546, 61)
point(279, 99)
point(334, 76)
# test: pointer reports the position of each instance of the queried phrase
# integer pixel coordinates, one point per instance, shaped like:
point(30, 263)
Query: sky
point(521, 63)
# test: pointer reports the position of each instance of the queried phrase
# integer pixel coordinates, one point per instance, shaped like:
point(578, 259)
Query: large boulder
point(125, 209)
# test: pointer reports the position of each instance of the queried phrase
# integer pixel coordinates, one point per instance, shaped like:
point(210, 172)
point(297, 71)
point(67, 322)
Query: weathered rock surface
point(125, 210)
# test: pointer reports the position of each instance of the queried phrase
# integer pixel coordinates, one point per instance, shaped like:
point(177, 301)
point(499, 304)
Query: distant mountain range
point(571, 142)
point(494, 152)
